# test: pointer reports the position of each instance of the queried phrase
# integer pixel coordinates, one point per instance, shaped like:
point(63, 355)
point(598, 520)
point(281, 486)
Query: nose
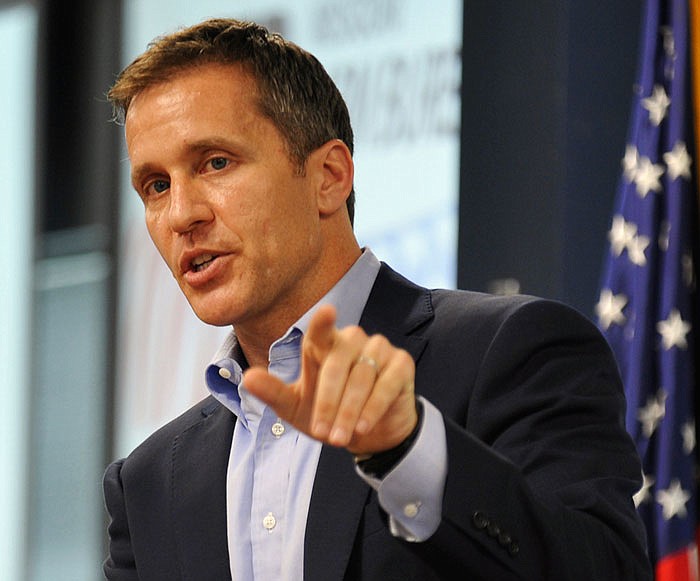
point(188, 208)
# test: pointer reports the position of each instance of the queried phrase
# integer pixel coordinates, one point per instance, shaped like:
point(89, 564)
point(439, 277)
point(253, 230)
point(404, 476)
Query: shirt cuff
point(411, 493)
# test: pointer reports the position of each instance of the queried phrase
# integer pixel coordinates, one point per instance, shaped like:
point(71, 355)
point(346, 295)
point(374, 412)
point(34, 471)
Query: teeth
point(201, 261)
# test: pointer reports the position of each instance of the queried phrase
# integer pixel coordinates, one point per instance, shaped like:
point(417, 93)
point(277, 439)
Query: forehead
point(212, 99)
point(218, 82)
point(205, 104)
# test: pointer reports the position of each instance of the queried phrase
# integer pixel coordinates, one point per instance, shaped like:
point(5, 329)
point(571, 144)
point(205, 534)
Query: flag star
point(621, 233)
point(630, 162)
point(688, 434)
point(609, 309)
point(647, 177)
point(673, 331)
point(644, 493)
point(678, 161)
point(652, 413)
point(636, 248)
point(657, 105)
point(672, 500)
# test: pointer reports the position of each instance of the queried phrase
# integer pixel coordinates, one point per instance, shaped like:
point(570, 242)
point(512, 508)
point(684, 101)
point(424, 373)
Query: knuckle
point(404, 359)
point(378, 344)
point(323, 408)
point(352, 334)
point(345, 416)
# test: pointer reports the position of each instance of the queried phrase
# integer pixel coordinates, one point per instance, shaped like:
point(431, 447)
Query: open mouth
point(202, 262)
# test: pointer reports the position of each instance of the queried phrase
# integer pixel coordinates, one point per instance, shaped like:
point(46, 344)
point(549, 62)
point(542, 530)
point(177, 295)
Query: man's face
point(225, 206)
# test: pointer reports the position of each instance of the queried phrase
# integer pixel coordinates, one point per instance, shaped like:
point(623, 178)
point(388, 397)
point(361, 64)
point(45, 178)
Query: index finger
point(320, 336)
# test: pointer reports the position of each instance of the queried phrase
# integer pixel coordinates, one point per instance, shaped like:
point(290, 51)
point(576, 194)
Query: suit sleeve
point(541, 471)
point(120, 564)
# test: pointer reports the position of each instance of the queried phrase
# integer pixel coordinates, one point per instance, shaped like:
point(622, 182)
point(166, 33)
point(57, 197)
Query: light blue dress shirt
point(272, 466)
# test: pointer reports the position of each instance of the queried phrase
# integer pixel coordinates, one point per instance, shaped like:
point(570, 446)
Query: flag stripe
point(677, 567)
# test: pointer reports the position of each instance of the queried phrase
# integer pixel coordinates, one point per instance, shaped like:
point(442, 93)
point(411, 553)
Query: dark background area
point(547, 88)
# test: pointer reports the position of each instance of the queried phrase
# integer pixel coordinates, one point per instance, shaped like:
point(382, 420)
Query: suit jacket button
point(493, 530)
point(513, 548)
point(504, 539)
point(480, 520)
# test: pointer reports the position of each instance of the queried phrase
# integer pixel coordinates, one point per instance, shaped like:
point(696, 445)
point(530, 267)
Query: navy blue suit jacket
point(540, 477)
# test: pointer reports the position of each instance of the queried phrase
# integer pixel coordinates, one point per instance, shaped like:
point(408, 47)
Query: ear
point(336, 172)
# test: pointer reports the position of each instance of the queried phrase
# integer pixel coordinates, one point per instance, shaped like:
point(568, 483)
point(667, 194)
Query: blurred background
point(488, 144)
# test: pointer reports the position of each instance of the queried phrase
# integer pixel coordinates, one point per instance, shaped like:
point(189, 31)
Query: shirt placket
point(274, 450)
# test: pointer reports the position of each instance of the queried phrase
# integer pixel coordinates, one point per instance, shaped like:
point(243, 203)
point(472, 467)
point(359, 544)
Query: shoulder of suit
point(496, 303)
point(479, 310)
point(163, 436)
point(459, 307)
point(472, 303)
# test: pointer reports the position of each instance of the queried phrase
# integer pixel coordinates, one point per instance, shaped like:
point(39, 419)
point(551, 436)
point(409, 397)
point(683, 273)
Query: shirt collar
point(348, 296)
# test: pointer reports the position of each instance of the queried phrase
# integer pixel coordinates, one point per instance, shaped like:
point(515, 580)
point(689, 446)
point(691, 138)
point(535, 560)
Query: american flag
point(647, 301)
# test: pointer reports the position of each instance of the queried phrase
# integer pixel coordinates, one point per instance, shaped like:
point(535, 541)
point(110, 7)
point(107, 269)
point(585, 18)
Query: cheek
point(159, 236)
point(276, 245)
point(267, 229)
point(152, 225)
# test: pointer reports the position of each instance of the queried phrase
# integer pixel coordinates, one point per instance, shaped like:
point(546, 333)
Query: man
point(359, 427)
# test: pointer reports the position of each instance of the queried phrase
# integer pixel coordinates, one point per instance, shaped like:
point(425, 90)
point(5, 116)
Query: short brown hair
point(294, 90)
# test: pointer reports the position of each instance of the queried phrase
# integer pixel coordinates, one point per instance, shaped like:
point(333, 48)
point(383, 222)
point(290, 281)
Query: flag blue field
point(648, 302)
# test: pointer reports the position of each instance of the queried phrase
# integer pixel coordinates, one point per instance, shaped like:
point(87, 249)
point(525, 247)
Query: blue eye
point(159, 186)
point(219, 163)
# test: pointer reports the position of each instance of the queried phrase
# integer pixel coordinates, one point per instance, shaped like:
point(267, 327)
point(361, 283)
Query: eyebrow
point(139, 172)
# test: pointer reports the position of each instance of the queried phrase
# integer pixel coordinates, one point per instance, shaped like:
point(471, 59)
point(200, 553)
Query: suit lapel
point(334, 515)
point(200, 460)
point(398, 309)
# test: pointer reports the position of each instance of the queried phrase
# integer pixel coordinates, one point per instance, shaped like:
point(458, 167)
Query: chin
point(214, 318)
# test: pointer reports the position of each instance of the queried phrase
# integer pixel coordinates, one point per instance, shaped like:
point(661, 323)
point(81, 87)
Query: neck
point(256, 336)
point(256, 352)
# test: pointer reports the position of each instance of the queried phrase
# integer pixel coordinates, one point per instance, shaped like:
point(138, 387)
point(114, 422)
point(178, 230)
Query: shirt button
point(225, 373)
point(277, 429)
point(411, 509)
point(269, 521)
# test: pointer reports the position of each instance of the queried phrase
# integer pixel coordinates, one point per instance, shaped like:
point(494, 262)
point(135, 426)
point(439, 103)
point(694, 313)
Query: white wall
point(17, 59)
